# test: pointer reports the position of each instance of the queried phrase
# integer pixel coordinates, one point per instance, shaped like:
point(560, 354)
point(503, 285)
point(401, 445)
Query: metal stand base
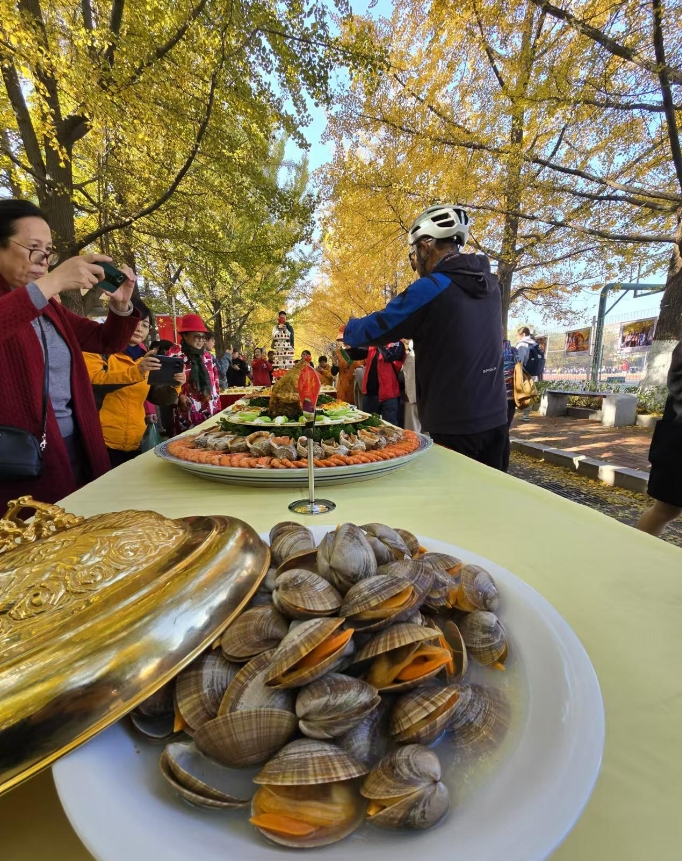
point(318, 506)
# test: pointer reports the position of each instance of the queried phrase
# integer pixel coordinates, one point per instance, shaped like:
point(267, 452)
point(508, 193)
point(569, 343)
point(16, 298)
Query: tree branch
point(666, 93)
point(147, 210)
point(489, 51)
point(115, 20)
point(12, 180)
point(607, 42)
point(43, 73)
point(24, 122)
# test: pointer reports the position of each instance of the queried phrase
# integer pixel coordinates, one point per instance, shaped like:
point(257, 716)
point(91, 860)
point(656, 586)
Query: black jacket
point(454, 318)
point(673, 406)
point(236, 374)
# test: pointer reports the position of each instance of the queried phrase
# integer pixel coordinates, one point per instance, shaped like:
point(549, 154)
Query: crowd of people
point(82, 396)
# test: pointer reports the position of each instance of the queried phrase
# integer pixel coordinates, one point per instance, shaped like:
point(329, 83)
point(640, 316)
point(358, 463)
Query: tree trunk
point(505, 275)
point(669, 326)
point(218, 329)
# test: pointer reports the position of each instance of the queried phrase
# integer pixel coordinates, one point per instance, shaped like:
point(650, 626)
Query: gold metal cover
point(95, 618)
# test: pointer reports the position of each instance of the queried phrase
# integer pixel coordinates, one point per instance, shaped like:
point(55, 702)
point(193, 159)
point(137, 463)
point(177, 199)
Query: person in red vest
point(380, 383)
point(35, 330)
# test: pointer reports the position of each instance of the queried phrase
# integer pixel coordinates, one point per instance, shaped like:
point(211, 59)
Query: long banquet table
point(619, 589)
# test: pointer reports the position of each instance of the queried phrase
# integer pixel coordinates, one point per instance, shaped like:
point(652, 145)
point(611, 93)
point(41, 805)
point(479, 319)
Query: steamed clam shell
point(288, 538)
point(371, 440)
point(248, 690)
point(301, 594)
point(256, 630)
point(446, 581)
point(405, 790)
point(377, 602)
point(387, 544)
point(477, 590)
point(403, 657)
point(421, 716)
point(284, 447)
point(200, 687)
point(259, 443)
point(480, 718)
point(200, 780)
point(485, 638)
point(368, 741)
point(352, 442)
point(420, 575)
point(307, 795)
point(333, 705)
point(241, 739)
point(411, 541)
point(302, 448)
point(330, 448)
point(308, 651)
point(346, 556)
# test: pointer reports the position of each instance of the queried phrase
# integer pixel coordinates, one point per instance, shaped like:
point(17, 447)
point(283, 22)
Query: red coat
point(22, 367)
point(389, 387)
point(261, 372)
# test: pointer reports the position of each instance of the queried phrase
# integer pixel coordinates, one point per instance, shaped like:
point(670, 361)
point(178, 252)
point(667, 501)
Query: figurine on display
point(283, 344)
point(281, 328)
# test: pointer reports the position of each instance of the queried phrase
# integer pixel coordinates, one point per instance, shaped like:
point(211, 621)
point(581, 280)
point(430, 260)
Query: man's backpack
point(532, 364)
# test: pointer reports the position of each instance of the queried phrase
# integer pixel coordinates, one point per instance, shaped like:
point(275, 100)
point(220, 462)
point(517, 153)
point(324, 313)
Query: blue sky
point(584, 305)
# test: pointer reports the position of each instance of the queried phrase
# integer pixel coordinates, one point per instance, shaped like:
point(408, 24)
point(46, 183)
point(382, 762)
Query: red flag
point(308, 389)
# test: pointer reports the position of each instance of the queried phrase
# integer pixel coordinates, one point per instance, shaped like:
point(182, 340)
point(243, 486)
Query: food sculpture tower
point(281, 344)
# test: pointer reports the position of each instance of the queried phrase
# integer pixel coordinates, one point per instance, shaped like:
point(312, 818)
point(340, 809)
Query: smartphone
point(170, 366)
point(113, 278)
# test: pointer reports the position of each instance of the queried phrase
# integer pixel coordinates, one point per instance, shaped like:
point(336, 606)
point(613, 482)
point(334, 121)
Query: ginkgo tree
point(497, 113)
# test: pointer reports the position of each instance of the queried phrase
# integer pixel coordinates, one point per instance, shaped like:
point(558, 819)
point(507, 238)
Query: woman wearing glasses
point(33, 324)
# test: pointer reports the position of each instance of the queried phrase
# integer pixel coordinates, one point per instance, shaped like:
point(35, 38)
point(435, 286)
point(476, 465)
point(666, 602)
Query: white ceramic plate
point(292, 477)
point(123, 810)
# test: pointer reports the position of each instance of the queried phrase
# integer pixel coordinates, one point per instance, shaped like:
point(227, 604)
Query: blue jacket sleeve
point(399, 318)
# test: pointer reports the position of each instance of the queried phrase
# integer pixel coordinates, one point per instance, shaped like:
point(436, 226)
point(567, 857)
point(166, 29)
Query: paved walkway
point(628, 446)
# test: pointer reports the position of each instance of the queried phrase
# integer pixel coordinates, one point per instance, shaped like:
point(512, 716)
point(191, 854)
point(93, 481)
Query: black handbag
point(21, 454)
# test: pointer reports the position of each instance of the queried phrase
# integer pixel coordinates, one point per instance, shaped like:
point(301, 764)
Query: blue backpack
point(532, 364)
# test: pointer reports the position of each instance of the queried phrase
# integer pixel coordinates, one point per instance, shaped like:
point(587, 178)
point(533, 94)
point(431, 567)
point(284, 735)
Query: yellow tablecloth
point(620, 590)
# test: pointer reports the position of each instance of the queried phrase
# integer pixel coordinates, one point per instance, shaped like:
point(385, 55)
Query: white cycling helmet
point(443, 221)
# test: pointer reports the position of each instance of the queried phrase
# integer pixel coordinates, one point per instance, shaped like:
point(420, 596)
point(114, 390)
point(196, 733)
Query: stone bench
point(617, 410)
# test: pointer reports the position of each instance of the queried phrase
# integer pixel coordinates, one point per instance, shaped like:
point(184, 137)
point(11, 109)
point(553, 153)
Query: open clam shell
point(194, 798)
point(287, 538)
point(460, 661)
point(284, 447)
point(154, 727)
point(203, 777)
point(259, 443)
point(411, 541)
point(416, 572)
point(421, 716)
point(446, 581)
point(304, 817)
point(200, 687)
point(368, 741)
point(403, 657)
point(308, 651)
point(301, 594)
point(254, 631)
point(485, 638)
point(248, 689)
point(477, 590)
point(378, 601)
point(307, 761)
point(405, 790)
point(345, 556)
point(333, 705)
point(241, 739)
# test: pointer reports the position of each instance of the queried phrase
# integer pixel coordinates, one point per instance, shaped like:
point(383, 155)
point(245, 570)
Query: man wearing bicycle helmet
point(453, 313)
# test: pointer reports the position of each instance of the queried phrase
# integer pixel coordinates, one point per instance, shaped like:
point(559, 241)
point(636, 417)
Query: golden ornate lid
point(98, 615)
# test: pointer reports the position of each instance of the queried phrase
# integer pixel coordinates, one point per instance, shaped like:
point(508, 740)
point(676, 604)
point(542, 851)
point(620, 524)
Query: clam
point(160, 727)
point(259, 443)
point(377, 602)
point(403, 657)
point(284, 447)
point(391, 433)
point(480, 718)
point(301, 594)
point(248, 690)
point(200, 780)
point(371, 440)
point(220, 441)
point(239, 445)
point(160, 702)
point(288, 538)
point(330, 448)
point(418, 574)
point(200, 687)
point(405, 790)
point(447, 569)
point(452, 637)
point(386, 543)
point(241, 739)
point(345, 556)
point(308, 651)
point(269, 579)
point(477, 590)
point(352, 442)
point(421, 716)
point(307, 795)
point(302, 448)
point(368, 741)
point(485, 638)
point(333, 705)
point(411, 541)
point(254, 631)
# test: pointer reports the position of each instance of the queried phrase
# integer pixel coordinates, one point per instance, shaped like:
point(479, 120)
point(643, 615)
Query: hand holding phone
point(165, 375)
